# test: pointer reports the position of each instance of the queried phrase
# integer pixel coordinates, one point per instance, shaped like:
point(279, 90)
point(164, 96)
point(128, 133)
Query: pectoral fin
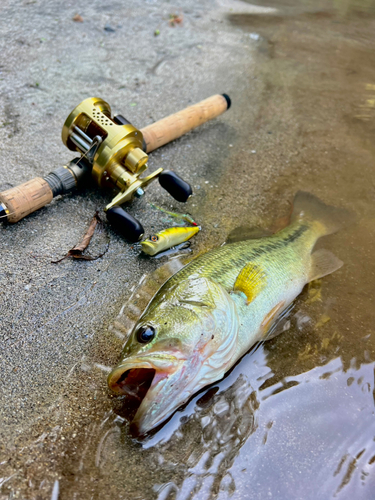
point(251, 281)
point(323, 262)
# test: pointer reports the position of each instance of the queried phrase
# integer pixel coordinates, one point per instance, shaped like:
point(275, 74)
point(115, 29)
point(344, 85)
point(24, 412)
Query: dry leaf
point(77, 18)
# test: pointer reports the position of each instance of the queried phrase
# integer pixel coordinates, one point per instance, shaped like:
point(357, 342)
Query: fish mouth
point(134, 382)
point(144, 380)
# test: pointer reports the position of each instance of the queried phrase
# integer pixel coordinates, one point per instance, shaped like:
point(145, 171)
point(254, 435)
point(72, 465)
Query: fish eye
point(154, 238)
point(145, 334)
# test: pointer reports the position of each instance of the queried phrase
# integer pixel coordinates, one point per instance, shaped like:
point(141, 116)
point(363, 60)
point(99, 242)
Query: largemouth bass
point(212, 311)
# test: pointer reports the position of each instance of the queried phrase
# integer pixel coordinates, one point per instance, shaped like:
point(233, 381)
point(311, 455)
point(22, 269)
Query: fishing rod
point(114, 153)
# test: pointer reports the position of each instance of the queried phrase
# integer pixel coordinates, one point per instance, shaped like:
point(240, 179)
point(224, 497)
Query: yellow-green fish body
point(211, 312)
point(167, 238)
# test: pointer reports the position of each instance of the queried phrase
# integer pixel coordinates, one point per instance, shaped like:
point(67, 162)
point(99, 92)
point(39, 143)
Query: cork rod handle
point(170, 128)
point(26, 198)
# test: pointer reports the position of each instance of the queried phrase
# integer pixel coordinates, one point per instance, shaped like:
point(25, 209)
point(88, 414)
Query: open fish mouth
point(144, 381)
point(134, 382)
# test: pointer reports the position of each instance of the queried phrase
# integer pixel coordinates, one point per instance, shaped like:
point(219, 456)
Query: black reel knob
point(125, 224)
point(176, 187)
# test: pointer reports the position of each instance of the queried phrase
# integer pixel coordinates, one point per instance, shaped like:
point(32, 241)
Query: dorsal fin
point(142, 294)
point(251, 281)
point(244, 233)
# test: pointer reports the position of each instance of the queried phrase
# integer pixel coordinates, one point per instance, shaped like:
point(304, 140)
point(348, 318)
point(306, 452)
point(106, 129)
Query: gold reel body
point(114, 149)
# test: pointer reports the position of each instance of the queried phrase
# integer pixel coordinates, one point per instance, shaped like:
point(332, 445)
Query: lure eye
point(145, 334)
point(154, 238)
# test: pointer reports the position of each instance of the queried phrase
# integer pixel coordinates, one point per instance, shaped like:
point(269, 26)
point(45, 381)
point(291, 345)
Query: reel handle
point(125, 224)
point(174, 126)
point(175, 186)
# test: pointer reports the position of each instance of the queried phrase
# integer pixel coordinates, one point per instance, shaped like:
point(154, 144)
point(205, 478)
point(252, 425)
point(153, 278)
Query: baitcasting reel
point(114, 153)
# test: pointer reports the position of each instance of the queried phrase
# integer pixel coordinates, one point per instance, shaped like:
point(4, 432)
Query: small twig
point(77, 251)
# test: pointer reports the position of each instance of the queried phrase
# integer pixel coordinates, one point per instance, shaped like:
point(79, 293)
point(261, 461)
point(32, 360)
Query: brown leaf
point(76, 252)
point(77, 18)
point(175, 19)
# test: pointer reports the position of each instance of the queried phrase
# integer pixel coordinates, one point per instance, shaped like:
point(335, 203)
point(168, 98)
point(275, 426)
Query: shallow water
point(295, 418)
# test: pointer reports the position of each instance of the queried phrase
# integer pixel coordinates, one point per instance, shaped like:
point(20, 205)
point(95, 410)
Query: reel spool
point(114, 153)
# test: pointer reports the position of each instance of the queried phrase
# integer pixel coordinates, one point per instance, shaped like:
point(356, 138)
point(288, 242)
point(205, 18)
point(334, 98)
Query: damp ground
point(295, 418)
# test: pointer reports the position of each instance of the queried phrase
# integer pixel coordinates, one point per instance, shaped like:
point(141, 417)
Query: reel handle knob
point(125, 224)
point(176, 187)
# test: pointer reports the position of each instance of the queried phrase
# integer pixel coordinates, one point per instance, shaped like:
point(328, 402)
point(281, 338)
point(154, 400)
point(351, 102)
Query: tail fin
point(306, 206)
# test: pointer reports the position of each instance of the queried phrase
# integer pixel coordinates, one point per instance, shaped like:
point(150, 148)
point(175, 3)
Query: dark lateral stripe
point(219, 262)
point(270, 246)
point(275, 245)
point(240, 261)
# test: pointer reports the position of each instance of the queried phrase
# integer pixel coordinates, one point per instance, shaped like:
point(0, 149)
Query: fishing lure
point(167, 238)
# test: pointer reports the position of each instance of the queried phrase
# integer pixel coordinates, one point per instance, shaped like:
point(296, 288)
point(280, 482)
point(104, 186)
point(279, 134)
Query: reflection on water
point(224, 427)
point(198, 450)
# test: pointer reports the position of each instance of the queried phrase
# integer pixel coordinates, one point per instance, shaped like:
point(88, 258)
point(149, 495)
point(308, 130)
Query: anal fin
point(277, 320)
point(271, 316)
point(323, 262)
